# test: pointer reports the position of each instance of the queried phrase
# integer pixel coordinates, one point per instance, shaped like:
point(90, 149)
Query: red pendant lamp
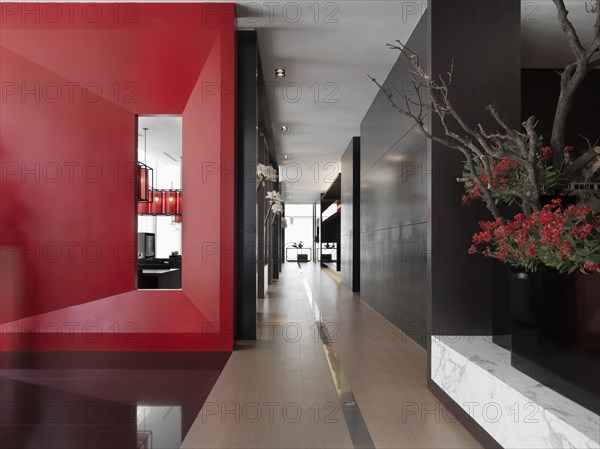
point(170, 200)
point(157, 207)
point(145, 176)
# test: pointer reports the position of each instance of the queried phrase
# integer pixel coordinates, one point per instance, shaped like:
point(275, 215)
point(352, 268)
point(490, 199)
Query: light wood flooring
point(281, 391)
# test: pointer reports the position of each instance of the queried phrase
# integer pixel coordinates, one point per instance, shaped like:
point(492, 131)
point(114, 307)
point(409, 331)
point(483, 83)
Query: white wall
point(166, 176)
point(164, 422)
point(168, 236)
point(300, 225)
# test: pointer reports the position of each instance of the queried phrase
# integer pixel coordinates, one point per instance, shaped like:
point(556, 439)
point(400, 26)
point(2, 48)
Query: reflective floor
point(102, 400)
point(326, 371)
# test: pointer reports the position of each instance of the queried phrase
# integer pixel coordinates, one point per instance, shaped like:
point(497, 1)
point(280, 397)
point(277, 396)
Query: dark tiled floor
point(102, 400)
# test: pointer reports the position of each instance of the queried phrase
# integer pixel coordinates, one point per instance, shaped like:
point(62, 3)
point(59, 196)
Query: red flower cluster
point(546, 153)
point(501, 171)
point(557, 237)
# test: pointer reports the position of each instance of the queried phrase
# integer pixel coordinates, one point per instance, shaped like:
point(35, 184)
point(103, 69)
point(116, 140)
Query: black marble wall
point(350, 217)
point(394, 207)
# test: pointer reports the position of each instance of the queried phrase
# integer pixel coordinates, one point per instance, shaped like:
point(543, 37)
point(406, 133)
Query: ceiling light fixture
point(280, 73)
point(285, 156)
point(170, 156)
point(284, 129)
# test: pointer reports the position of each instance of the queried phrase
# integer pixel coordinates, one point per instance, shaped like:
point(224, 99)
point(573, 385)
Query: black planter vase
point(555, 334)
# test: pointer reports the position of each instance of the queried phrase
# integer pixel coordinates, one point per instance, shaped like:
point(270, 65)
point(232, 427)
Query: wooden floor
point(282, 392)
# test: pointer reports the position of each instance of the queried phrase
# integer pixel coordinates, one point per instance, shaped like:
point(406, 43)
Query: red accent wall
point(71, 89)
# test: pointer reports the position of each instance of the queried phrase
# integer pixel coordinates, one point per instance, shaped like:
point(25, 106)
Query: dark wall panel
point(486, 56)
point(247, 119)
point(393, 207)
point(541, 88)
point(394, 276)
point(350, 216)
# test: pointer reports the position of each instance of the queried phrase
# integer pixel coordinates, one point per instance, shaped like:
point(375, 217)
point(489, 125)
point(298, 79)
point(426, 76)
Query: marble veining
point(512, 407)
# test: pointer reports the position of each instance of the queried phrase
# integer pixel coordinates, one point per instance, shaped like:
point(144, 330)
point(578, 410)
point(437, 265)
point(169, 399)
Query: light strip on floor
point(361, 438)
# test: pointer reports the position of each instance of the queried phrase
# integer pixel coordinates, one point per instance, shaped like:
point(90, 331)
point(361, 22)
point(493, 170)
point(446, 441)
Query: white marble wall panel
point(516, 410)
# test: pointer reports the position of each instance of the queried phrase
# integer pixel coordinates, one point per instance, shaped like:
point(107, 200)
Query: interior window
point(159, 202)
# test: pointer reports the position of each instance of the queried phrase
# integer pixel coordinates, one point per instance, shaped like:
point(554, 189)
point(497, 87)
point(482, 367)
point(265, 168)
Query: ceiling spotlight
point(280, 73)
point(284, 129)
point(285, 156)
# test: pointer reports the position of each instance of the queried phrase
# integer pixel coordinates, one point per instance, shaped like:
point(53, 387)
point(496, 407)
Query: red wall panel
point(70, 94)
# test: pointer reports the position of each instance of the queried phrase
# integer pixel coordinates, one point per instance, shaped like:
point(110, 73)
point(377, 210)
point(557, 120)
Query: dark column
point(247, 119)
point(350, 219)
point(260, 226)
point(483, 41)
point(485, 49)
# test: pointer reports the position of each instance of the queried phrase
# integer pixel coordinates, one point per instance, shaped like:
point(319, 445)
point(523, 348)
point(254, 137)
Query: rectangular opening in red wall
point(159, 222)
point(111, 72)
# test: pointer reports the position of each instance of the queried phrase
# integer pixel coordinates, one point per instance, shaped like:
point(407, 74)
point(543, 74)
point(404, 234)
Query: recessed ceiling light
point(280, 73)
point(284, 128)
point(285, 156)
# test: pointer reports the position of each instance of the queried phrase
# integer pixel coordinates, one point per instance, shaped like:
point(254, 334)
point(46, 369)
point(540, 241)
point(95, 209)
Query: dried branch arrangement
point(510, 166)
point(506, 165)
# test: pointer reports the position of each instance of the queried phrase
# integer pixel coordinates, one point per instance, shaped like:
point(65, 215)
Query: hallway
point(303, 385)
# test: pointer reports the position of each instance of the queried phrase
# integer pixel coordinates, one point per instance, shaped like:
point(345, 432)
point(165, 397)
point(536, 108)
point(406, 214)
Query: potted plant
point(542, 222)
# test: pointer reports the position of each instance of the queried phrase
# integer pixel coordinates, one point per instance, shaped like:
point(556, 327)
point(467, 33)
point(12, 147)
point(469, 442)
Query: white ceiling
point(164, 136)
point(328, 57)
point(326, 62)
point(543, 42)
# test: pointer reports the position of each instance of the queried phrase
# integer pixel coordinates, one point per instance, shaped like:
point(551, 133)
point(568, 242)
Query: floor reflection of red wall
point(73, 80)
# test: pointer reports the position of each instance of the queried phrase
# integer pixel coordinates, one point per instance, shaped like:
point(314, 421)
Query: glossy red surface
point(71, 91)
point(76, 400)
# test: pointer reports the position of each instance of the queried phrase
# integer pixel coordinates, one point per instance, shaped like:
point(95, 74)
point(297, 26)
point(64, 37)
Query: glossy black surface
point(350, 216)
point(331, 227)
point(487, 63)
point(394, 208)
point(555, 338)
point(93, 400)
point(541, 88)
point(487, 69)
point(247, 120)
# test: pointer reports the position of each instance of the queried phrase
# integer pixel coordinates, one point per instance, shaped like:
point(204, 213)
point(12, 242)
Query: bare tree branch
point(572, 75)
point(480, 148)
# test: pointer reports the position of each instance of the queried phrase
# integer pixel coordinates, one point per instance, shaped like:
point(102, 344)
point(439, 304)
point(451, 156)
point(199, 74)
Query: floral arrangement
point(504, 166)
point(264, 173)
point(275, 204)
point(565, 239)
